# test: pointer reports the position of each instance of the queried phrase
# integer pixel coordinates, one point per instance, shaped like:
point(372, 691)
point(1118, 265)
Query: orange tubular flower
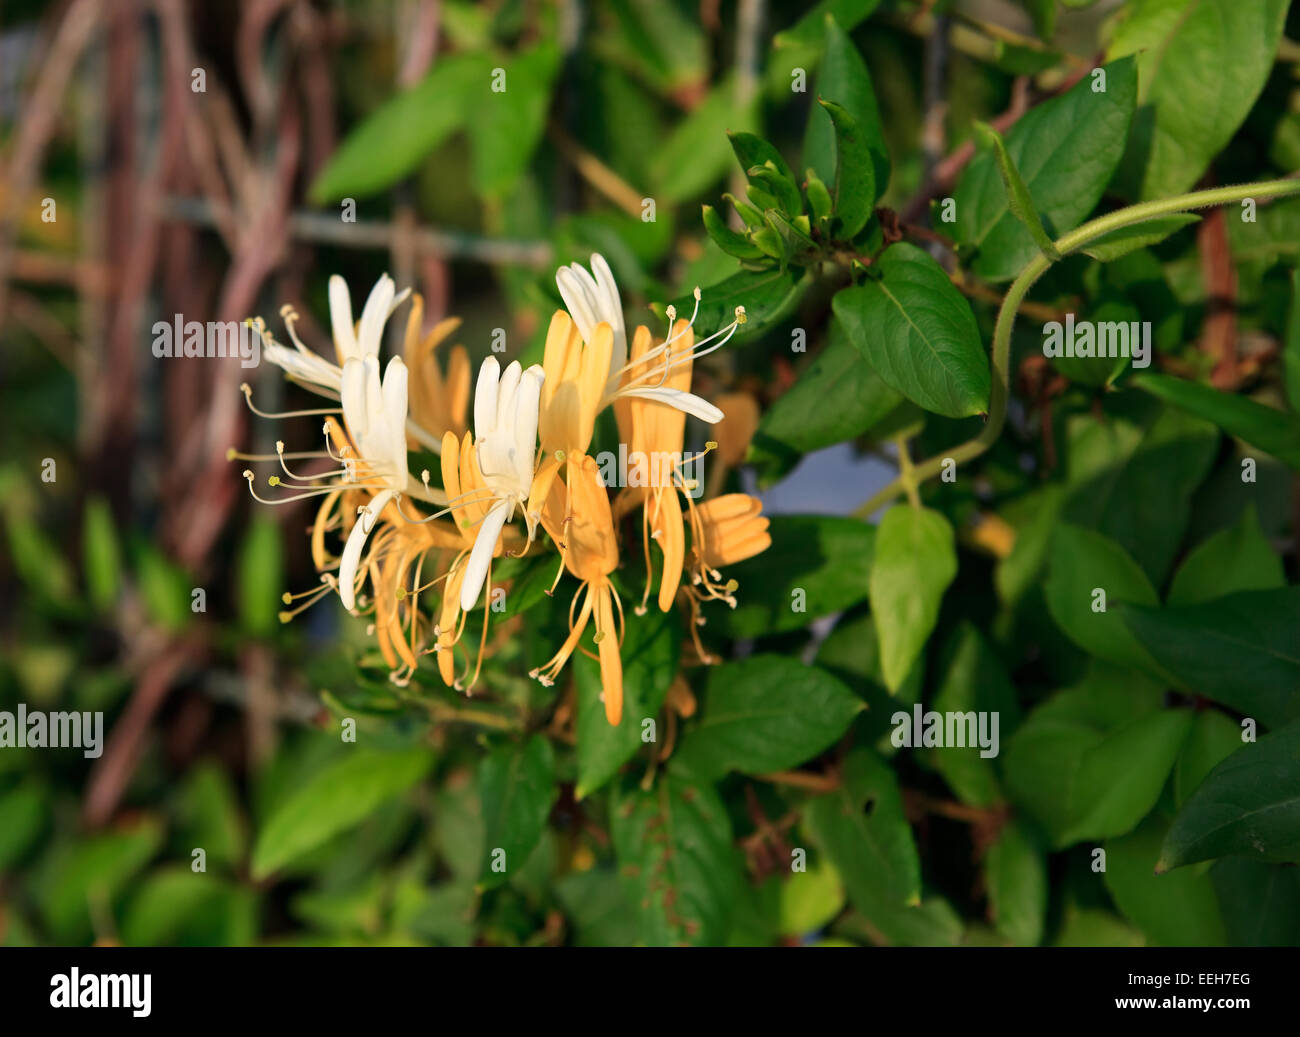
point(578, 518)
point(466, 488)
point(655, 433)
point(572, 396)
point(439, 403)
point(724, 530)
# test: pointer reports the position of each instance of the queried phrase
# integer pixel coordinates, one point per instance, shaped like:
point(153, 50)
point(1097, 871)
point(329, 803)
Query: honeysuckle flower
point(472, 500)
point(724, 530)
point(593, 301)
point(653, 428)
point(736, 430)
point(505, 426)
point(357, 341)
point(439, 402)
point(578, 518)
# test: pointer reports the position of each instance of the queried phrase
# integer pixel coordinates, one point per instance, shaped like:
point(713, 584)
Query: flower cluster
point(527, 457)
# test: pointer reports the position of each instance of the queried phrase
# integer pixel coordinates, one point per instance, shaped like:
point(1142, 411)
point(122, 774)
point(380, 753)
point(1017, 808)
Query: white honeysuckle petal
point(341, 318)
point(304, 366)
point(352, 550)
point(485, 398)
point(395, 409)
point(370, 326)
point(353, 393)
point(573, 292)
point(480, 557)
point(611, 309)
point(398, 299)
point(374, 391)
point(688, 402)
point(506, 390)
point(528, 398)
point(371, 330)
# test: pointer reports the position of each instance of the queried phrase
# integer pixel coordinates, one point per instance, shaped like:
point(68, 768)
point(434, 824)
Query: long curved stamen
point(247, 390)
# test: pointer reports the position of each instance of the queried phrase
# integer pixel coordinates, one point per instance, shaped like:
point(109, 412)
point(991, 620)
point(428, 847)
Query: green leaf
point(780, 187)
point(916, 559)
point(1178, 910)
point(1128, 239)
point(854, 196)
point(165, 587)
point(816, 565)
point(208, 815)
point(731, 242)
point(680, 871)
point(1016, 870)
point(1238, 558)
point(261, 577)
point(650, 651)
point(798, 243)
point(752, 150)
point(844, 79)
point(836, 397)
point(973, 679)
point(334, 799)
point(810, 899)
point(1081, 563)
point(1090, 128)
point(863, 828)
point(177, 907)
point(766, 713)
point(808, 29)
point(1248, 806)
point(1132, 473)
point(1274, 431)
point(1260, 902)
point(101, 554)
point(1240, 650)
point(395, 138)
point(1018, 199)
point(24, 813)
point(918, 332)
point(1213, 738)
point(506, 126)
point(89, 874)
point(517, 788)
point(1081, 781)
point(1201, 64)
point(695, 155)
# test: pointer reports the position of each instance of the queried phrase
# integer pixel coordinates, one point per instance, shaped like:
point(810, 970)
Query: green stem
point(1067, 243)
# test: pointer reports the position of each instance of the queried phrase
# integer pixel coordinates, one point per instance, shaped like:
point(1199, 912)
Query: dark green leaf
point(854, 196)
point(1238, 558)
point(676, 860)
point(517, 787)
point(816, 565)
point(1090, 128)
point(1274, 431)
point(766, 713)
point(1202, 64)
point(863, 828)
point(918, 332)
point(1240, 650)
point(649, 654)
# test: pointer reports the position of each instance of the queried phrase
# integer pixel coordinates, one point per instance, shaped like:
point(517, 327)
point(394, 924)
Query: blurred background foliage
point(222, 723)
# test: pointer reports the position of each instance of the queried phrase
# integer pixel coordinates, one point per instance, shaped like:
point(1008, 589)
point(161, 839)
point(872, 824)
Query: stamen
point(247, 390)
